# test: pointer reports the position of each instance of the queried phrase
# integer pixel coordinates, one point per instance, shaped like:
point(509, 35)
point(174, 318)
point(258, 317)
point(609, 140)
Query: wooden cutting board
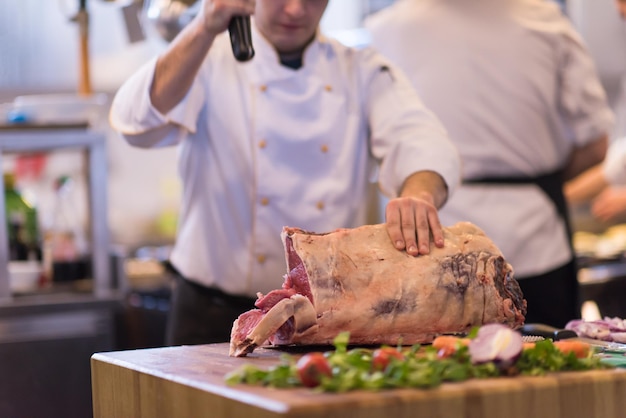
point(188, 381)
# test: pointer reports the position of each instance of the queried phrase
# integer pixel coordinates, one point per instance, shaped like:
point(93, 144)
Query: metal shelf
point(93, 143)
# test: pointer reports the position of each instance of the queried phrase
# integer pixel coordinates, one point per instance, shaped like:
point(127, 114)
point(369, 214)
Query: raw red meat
point(355, 280)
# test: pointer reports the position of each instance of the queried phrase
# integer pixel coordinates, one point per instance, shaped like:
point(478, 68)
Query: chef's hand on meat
point(216, 14)
point(410, 222)
point(412, 219)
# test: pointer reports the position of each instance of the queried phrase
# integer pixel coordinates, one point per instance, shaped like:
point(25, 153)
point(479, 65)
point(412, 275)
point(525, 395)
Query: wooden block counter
point(188, 381)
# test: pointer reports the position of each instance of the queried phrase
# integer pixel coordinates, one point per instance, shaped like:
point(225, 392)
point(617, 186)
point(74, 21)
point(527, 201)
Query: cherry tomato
point(311, 367)
point(382, 357)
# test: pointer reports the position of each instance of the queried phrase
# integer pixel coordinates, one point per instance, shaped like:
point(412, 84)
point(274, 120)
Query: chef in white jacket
point(290, 138)
point(517, 90)
point(604, 185)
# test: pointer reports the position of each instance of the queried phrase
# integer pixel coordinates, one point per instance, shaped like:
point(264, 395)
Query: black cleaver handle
point(547, 331)
point(241, 38)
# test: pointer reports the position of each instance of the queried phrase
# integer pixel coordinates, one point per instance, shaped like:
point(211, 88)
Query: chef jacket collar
point(265, 67)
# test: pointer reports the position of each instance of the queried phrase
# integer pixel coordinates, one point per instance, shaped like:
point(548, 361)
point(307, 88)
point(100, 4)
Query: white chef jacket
point(517, 90)
point(614, 165)
point(264, 146)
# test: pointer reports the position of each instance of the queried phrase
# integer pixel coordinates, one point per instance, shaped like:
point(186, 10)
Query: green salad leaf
point(421, 367)
point(546, 357)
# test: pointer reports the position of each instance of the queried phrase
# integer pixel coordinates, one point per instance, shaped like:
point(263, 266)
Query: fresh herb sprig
point(545, 357)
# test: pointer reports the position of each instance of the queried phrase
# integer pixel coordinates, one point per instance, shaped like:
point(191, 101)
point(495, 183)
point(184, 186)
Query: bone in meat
point(355, 280)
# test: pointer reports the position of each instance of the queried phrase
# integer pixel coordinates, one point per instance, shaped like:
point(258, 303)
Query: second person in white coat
point(516, 88)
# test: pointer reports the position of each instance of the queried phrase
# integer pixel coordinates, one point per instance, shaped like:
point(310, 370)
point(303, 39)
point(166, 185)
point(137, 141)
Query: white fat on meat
point(297, 309)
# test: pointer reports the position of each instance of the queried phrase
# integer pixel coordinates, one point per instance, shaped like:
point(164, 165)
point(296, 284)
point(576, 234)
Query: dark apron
point(552, 186)
point(553, 297)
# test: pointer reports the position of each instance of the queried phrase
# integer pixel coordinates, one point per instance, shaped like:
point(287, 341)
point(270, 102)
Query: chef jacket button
point(324, 148)
point(260, 258)
point(263, 88)
point(265, 201)
point(328, 87)
point(262, 143)
point(320, 205)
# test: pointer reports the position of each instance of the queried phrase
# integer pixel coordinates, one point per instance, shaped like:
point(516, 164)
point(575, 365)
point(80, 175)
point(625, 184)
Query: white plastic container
point(24, 276)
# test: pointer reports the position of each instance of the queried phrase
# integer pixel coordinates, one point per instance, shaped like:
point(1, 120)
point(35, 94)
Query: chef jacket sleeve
point(141, 124)
point(405, 137)
point(614, 166)
point(584, 106)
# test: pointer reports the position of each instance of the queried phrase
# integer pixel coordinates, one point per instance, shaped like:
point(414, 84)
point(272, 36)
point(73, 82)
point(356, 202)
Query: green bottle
point(21, 220)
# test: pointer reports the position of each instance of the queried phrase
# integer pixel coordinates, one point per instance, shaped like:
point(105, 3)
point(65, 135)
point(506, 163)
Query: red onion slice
point(607, 329)
point(497, 343)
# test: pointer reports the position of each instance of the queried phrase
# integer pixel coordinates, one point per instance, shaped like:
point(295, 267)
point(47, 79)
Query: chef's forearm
point(178, 66)
point(586, 157)
point(585, 186)
point(426, 185)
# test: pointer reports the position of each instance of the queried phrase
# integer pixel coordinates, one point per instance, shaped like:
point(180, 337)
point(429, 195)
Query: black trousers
point(553, 297)
point(202, 315)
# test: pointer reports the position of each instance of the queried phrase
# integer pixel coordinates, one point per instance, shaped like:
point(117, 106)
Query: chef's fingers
point(414, 225)
point(393, 220)
point(234, 7)
point(217, 14)
point(428, 225)
point(408, 225)
point(435, 227)
point(423, 229)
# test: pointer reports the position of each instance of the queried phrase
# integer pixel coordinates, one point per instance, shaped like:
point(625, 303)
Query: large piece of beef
point(355, 280)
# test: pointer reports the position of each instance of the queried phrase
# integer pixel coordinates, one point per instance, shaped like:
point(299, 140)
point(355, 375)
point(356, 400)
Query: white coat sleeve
point(141, 124)
point(405, 136)
point(583, 101)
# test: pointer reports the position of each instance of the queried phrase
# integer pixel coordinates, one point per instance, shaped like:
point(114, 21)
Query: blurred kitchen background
point(105, 213)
